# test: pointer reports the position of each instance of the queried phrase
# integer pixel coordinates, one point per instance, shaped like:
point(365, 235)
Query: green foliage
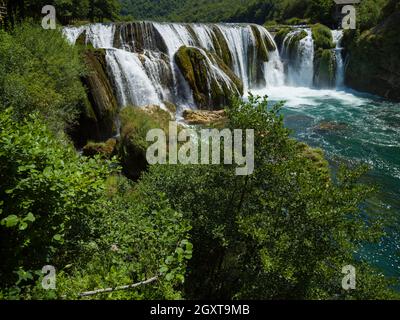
point(135, 123)
point(48, 195)
point(297, 21)
point(256, 11)
point(57, 208)
point(369, 13)
point(284, 232)
point(139, 239)
point(42, 74)
point(322, 36)
point(68, 11)
point(321, 11)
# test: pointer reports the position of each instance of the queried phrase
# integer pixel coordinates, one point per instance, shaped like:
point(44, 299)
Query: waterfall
point(274, 70)
point(337, 39)
point(299, 57)
point(141, 64)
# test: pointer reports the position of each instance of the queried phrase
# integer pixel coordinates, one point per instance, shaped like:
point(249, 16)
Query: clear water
point(368, 131)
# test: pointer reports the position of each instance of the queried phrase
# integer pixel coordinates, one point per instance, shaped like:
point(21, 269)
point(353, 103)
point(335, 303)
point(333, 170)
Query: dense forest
point(78, 196)
point(256, 11)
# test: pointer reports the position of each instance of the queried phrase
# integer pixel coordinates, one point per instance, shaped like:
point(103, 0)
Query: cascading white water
point(274, 70)
point(134, 87)
point(300, 63)
point(140, 57)
point(337, 39)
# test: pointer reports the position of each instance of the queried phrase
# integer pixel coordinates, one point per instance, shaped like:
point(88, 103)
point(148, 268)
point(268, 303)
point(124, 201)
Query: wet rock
point(98, 115)
point(327, 126)
point(374, 60)
point(135, 124)
point(202, 117)
point(213, 84)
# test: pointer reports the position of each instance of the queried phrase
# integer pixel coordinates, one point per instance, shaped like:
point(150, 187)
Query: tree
point(48, 196)
point(42, 74)
point(284, 232)
point(62, 209)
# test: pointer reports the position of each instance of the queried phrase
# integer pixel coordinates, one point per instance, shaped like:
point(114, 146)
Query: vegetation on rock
point(324, 57)
point(104, 149)
point(208, 91)
point(135, 123)
point(374, 54)
point(99, 122)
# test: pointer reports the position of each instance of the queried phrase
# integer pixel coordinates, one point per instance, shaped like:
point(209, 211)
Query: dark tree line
point(67, 10)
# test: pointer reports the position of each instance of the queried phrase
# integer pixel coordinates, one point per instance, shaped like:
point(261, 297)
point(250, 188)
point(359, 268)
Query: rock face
point(104, 149)
point(135, 123)
point(213, 87)
point(97, 121)
point(202, 117)
point(327, 127)
point(324, 57)
point(374, 59)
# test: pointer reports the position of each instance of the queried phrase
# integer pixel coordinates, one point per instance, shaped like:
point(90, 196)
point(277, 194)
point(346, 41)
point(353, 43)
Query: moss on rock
point(281, 35)
point(375, 56)
point(97, 118)
point(104, 149)
point(135, 123)
point(263, 44)
point(171, 107)
point(322, 36)
point(221, 46)
point(208, 90)
point(324, 68)
point(324, 56)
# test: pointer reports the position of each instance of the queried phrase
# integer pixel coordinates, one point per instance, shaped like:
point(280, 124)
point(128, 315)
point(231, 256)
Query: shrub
point(322, 36)
point(62, 209)
point(284, 232)
point(49, 197)
point(42, 74)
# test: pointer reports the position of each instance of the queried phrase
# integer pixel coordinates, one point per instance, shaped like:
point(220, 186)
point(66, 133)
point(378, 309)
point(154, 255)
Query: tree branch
point(129, 286)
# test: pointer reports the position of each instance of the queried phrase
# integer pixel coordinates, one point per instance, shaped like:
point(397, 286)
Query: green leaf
point(10, 221)
point(169, 276)
point(164, 269)
point(23, 225)
point(30, 217)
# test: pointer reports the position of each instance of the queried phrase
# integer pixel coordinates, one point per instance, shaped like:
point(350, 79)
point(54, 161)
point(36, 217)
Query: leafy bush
point(135, 123)
point(49, 196)
point(42, 74)
point(322, 36)
point(139, 239)
point(57, 208)
point(284, 232)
